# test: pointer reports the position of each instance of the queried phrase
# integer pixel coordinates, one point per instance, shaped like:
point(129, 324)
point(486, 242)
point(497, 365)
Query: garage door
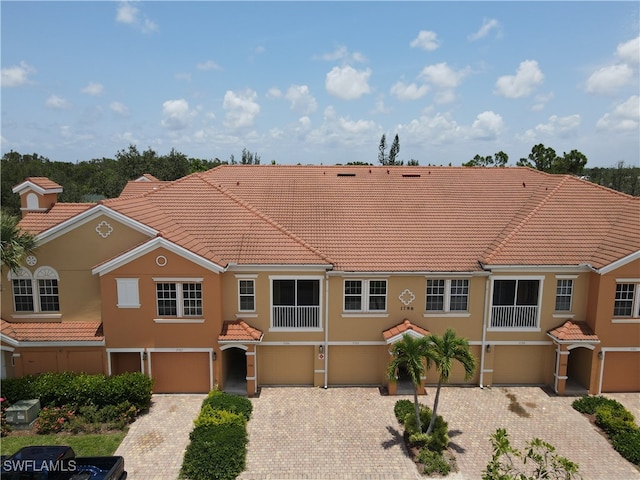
point(522, 365)
point(87, 362)
point(292, 365)
point(353, 365)
point(180, 372)
point(621, 372)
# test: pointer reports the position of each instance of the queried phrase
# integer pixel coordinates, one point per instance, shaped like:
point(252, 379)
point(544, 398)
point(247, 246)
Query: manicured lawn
point(85, 445)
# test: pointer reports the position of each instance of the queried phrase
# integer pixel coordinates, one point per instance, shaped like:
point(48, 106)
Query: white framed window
point(246, 295)
point(179, 298)
point(365, 296)
point(627, 299)
point(447, 295)
point(37, 292)
point(128, 293)
point(564, 294)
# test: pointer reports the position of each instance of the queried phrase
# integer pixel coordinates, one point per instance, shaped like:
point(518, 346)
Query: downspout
point(326, 330)
point(484, 330)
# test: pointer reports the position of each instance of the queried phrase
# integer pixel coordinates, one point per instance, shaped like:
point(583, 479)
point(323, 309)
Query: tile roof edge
point(255, 211)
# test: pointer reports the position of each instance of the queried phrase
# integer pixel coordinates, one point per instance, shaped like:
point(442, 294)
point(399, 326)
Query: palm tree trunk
point(435, 408)
point(417, 407)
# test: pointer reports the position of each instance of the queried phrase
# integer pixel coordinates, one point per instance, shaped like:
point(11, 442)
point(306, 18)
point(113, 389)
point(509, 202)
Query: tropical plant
point(441, 352)
point(15, 244)
point(409, 353)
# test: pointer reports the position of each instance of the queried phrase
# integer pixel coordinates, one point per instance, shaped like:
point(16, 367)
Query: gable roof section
point(41, 185)
point(396, 333)
point(239, 331)
point(201, 217)
point(572, 331)
point(145, 183)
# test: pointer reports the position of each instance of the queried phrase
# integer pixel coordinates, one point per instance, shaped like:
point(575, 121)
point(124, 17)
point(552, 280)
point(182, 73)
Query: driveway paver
point(351, 433)
point(155, 444)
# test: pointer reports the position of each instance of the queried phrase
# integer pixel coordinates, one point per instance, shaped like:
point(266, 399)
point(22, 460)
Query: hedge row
point(218, 443)
point(616, 421)
point(69, 388)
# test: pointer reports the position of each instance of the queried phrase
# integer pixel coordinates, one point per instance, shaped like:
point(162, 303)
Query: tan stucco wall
point(34, 360)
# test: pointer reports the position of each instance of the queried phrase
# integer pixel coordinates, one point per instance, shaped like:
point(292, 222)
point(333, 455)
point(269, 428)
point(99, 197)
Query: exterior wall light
point(488, 347)
point(321, 349)
point(214, 356)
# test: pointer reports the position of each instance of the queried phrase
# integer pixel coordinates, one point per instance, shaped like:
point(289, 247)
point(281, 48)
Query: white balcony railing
point(296, 317)
point(514, 316)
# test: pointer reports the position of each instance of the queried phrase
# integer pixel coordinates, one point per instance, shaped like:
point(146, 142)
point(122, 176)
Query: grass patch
point(90, 445)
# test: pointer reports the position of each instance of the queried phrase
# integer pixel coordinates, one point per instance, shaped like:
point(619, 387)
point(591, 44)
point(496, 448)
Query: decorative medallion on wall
point(31, 260)
point(104, 229)
point(161, 260)
point(407, 297)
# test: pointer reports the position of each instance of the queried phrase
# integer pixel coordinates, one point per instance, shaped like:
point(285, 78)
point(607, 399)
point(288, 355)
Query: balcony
point(293, 317)
point(514, 316)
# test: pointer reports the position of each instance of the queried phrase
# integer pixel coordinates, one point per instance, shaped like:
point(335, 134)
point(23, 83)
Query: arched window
point(35, 293)
point(32, 201)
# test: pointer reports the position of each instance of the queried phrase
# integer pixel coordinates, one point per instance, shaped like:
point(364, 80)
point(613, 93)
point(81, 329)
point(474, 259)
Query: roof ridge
point(254, 210)
point(512, 233)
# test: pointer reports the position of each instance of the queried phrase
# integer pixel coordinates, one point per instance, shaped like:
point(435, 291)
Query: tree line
point(93, 180)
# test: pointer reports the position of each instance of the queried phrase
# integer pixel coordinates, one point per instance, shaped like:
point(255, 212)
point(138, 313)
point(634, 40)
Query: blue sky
point(320, 82)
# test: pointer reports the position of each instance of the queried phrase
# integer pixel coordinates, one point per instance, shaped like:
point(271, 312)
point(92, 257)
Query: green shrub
point(589, 404)
point(134, 387)
point(54, 419)
point(439, 438)
point(627, 443)
point(434, 462)
point(215, 452)
point(211, 416)
point(231, 403)
point(614, 419)
point(402, 408)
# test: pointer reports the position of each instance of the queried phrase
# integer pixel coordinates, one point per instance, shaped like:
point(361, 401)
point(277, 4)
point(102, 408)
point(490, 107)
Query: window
point(627, 303)
point(444, 295)
point(128, 295)
point(365, 295)
point(37, 293)
point(179, 299)
point(564, 293)
point(515, 303)
point(247, 295)
point(295, 303)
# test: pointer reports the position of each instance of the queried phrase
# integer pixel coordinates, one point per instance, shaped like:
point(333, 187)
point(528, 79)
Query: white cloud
point(441, 75)
point(624, 117)
point(93, 89)
point(241, 108)
point(527, 78)
point(487, 126)
point(301, 100)
point(128, 14)
point(541, 101)
point(402, 91)
point(488, 24)
point(17, 75)
point(342, 53)
point(348, 83)
point(426, 40)
point(58, 103)
point(608, 80)
point(119, 108)
point(560, 126)
point(208, 65)
point(437, 129)
point(274, 92)
point(629, 51)
point(177, 114)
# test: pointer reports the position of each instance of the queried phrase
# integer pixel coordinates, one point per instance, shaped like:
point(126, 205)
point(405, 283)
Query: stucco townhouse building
point(305, 275)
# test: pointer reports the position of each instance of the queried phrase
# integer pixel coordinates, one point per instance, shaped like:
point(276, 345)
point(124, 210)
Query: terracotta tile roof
point(43, 182)
point(239, 331)
point(217, 225)
point(144, 184)
point(38, 222)
point(53, 331)
point(574, 331)
point(403, 328)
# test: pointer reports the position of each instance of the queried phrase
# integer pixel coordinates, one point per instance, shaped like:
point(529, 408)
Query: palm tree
point(15, 244)
point(408, 353)
point(441, 352)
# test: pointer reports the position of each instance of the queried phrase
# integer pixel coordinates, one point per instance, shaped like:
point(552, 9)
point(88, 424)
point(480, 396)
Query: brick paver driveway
point(351, 433)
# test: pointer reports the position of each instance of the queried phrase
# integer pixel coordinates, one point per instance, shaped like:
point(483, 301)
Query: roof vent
point(411, 175)
point(346, 174)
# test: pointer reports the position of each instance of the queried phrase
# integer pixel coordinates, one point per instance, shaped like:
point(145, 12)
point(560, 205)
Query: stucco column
point(252, 379)
point(562, 360)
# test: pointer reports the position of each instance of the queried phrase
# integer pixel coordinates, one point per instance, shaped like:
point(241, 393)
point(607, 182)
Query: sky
point(321, 82)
